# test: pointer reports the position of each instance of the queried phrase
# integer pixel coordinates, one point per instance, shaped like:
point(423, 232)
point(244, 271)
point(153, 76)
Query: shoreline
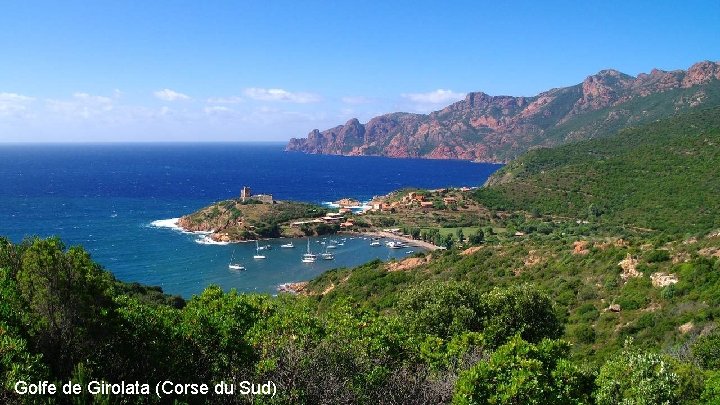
point(172, 223)
point(389, 235)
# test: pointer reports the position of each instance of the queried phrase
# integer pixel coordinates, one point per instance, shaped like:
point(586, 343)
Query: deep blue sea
point(106, 196)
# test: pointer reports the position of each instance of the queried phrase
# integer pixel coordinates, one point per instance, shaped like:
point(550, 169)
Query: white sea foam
point(172, 223)
point(206, 240)
point(364, 206)
point(166, 223)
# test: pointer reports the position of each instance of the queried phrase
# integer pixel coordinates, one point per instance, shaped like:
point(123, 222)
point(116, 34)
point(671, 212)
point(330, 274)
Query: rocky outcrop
point(498, 128)
point(661, 279)
point(629, 268)
point(581, 247)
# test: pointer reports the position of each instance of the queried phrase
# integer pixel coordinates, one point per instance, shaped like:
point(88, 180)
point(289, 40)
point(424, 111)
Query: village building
point(246, 195)
point(333, 217)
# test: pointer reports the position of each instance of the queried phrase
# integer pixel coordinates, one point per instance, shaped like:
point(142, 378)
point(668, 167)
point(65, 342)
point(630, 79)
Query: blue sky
point(272, 70)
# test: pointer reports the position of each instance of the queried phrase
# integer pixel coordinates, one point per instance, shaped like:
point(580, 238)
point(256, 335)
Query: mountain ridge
point(489, 128)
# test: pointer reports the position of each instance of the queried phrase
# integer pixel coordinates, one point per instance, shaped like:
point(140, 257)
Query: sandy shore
point(389, 235)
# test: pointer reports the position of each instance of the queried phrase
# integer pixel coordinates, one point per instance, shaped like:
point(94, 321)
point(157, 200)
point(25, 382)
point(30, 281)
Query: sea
point(118, 201)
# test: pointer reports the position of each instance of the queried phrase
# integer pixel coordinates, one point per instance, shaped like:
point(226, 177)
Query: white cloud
point(354, 100)
point(90, 99)
point(256, 93)
point(226, 100)
point(14, 104)
point(171, 95)
point(438, 96)
point(82, 105)
point(216, 109)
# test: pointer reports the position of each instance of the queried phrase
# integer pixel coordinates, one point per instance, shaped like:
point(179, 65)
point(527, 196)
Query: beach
point(389, 235)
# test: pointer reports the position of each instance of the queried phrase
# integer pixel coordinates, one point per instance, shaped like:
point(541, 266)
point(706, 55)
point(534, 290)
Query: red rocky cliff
point(498, 128)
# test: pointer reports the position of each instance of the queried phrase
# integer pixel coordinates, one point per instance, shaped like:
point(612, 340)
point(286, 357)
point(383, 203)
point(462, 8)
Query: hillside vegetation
point(662, 176)
point(235, 220)
point(592, 276)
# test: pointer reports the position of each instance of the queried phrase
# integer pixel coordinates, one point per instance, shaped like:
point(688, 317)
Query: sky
point(188, 71)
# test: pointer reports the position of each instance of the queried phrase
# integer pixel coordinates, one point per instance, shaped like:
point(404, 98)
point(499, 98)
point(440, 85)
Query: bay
point(105, 197)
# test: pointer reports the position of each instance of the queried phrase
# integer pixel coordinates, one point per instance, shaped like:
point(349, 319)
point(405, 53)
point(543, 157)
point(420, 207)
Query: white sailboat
point(308, 257)
point(257, 252)
point(235, 266)
point(327, 255)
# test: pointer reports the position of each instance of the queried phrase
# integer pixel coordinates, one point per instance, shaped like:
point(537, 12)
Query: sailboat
point(327, 255)
point(235, 266)
point(257, 252)
point(308, 257)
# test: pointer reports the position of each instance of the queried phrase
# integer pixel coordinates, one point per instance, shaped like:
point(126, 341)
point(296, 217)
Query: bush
point(518, 309)
point(707, 351)
point(635, 377)
point(584, 334)
point(657, 256)
point(441, 309)
point(519, 372)
point(711, 393)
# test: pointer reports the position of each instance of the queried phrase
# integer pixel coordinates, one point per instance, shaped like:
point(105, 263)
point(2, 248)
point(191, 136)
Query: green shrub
point(635, 377)
point(519, 372)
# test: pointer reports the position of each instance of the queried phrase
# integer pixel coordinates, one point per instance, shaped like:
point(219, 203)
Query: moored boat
point(257, 252)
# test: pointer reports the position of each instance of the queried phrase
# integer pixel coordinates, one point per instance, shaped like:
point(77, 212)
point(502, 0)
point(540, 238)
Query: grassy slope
point(660, 176)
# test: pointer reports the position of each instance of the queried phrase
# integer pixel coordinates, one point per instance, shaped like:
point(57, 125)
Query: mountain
point(499, 128)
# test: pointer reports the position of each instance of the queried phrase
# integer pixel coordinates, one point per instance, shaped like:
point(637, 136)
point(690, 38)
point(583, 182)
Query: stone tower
point(245, 193)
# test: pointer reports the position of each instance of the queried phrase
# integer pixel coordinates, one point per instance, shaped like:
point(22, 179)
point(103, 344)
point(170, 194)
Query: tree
point(636, 377)
point(415, 233)
point(520, 372)
point(711, 393)
point(519, 309)
point(477, 238)
point(707, 351)
point(441, 309)
point(69, 300)
point(460, 235)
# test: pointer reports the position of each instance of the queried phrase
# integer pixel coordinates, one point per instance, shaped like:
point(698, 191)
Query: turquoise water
point(106, 197)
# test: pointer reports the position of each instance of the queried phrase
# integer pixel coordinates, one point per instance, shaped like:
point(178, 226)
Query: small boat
point(327, 255)
point(409, 252)
point(257, 252)
point(287, 245)
point(395, 245)
point(308, 257)
point(233, 265)
point(375, 242)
